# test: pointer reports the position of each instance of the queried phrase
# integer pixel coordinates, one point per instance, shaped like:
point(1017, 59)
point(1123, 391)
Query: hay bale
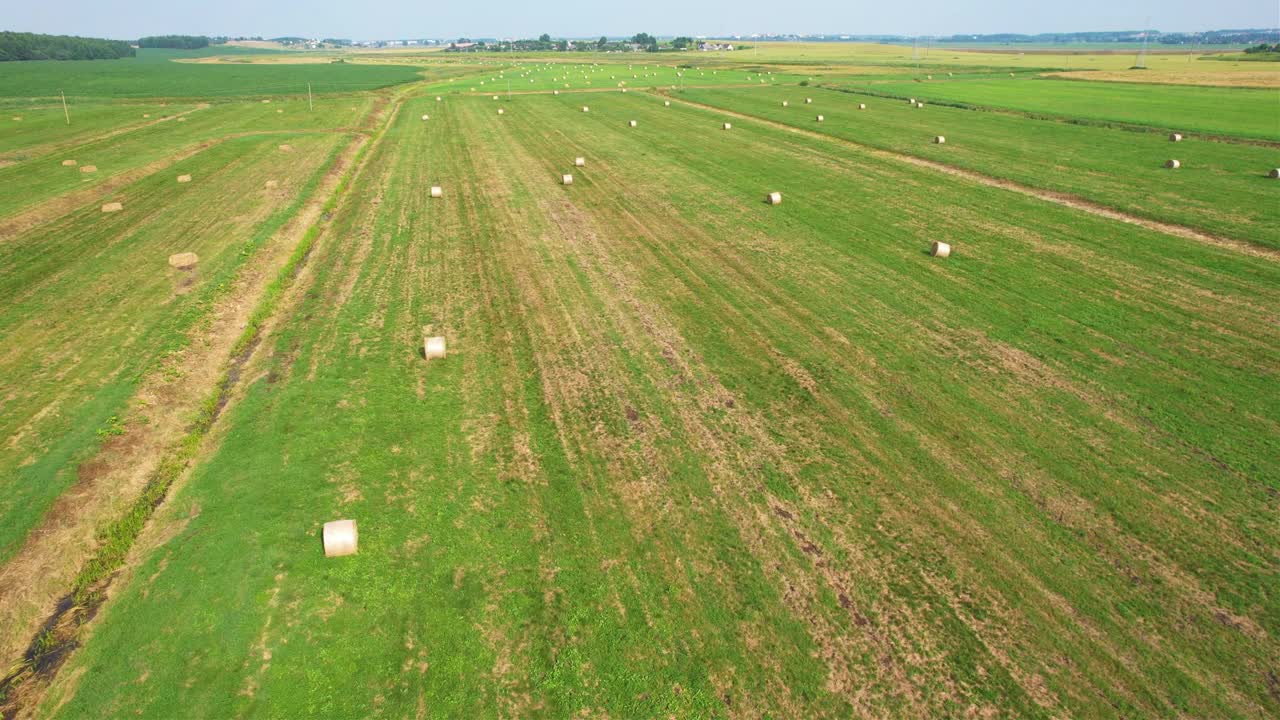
point(280, 111)
point(555, 92)
point(112, 207)
point(436, 191)
point(273, 183)
point(501, 111)
point(286, 148)
point(146, 115)
point(939, 140)
point(784, 103)
point(928, 77)
point(426, 117)
point(340, 538)
point(940, 249)
point(631, 123)
point(820, 118)
point(585, 108)
point(579, 162)
point(919, 105)
point(88, 168)
point(728, 126)
point(266, 102)
point(182, 119)
point(433, 347)
point(666, 103)
point(183, 260)
point(808, 101)
point(1175, 137)
point(862, 106)
point(1274, 174)
point(912, 101)
point(773, 198)
point(68, 163)
point(184, 178)
point(439, 99)
point(495, 97)
point(566, 179)
point(1173, 164)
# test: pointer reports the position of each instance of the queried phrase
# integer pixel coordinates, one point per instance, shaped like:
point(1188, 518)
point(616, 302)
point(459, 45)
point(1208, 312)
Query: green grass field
point(690, 454)
point(153, 76)
point(1221, 188)
point(1238, 112)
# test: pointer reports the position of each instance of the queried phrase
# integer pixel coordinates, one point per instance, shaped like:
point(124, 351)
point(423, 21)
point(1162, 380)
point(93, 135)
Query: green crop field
point(1240, 112)
point(689, 453)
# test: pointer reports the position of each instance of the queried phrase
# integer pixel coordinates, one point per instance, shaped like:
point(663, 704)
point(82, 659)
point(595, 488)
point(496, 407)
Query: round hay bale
point(436, 191)
point(939, 140)
point(273, 183)
point(631, 123)
point(183, 260)
point(666, 103)
point(928, 77)
point(808, 101)
point(579, 162)
point(426, 117)
point(112, 207)
point(728, 126)
point(862, 106)
point(912, 101)
point(182, 119)
point(586, 109)
point(146, 115)
point(184, 178)
point(280, 111)
point(940, 249)
point(495, 97)
point(340, 538)
point(820, 118)
point(1173, 164)
point(566, 179)
point(439, 99)
point(1274, 174)
point(501, 111)
point(88, 168)
point(68, 163)
point(784, 103)
point(773, 198)
point(555, 92)
point(266, 102)
point(286, 148)
point(624, 89)
point(1175, 137)
point(919, 105)
point(433, 347)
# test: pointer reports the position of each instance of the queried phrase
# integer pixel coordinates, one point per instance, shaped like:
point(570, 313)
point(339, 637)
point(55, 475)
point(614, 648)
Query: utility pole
point(65, 112)
point(310, 105)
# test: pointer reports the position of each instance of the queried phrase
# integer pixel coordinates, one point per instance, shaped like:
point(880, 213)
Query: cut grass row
point(691, 453)
point(642, 73)
point(41, 178)
point(92, 305)
point(1234, 112)
point(1221, 188)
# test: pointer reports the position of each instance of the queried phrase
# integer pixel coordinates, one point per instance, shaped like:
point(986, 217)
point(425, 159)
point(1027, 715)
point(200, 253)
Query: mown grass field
point(689, 455)
point(1221, 187)
point(1238, 112)
point(658, 72)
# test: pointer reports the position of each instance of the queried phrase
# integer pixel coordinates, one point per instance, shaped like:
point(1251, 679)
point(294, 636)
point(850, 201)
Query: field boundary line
point(1074, 202)
point(55, 638)
point(1068, 119)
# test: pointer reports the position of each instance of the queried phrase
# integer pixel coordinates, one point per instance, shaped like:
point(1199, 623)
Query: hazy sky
point(375, 19)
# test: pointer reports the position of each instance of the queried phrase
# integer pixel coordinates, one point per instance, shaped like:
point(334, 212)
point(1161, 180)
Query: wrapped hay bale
point(112, 207)
point(426, 117)
point(437, 191)
point(183, 260)
point(820, 118)
point(862, 106)
point(666, 103)
point(728, 126)
point(566, 179)
point(1173, 164)
point(1175, 137)
point(340, 538)
point(773, 198)
point(940, 249)
point(501, 111)
point(631, 123)
point(808, 101)
point(586, 109)
point(1274, 174)
point(184, 178)
point(579, 162)
point(939, 140)
point(438, 98)
point(784, 103)
point(433, 347)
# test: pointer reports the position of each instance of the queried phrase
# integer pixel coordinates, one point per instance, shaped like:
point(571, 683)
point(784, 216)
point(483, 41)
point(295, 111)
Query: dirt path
point(1067, 200)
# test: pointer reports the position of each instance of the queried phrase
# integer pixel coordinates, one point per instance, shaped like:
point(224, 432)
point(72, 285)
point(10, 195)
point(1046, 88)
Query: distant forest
point(30, 46)
point(180, 42)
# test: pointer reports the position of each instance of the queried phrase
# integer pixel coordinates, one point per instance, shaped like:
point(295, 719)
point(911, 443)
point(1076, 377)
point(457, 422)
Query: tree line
point(179, 42)
point(31, 46)
point(638, 42)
